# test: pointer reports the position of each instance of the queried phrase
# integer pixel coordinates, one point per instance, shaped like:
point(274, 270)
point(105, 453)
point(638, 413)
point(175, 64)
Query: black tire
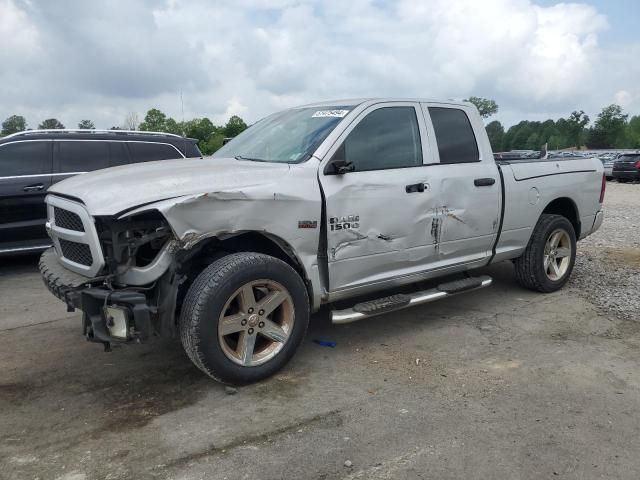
point(206, 299)
point(530, 270)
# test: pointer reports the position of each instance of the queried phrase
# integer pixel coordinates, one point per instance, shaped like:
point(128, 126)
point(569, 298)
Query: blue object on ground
point(325, 343)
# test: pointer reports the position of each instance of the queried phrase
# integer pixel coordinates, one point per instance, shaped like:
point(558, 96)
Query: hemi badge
point(307, 224)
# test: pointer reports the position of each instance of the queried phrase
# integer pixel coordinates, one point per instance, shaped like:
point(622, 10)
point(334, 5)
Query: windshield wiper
point(240, 157)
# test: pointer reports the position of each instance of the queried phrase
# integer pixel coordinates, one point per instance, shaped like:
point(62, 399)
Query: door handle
point(415, 188)
point(33, 188)
point(484, 182)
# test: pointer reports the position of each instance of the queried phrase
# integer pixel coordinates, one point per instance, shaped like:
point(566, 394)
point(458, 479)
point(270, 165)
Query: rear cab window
point(454, 135)
point(27, 157)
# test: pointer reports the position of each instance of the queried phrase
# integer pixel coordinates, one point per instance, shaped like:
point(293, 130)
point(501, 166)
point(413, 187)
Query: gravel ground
point(607, 270)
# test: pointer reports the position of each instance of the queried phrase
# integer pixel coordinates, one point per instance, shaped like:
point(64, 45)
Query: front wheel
point(547, 262)
point(244, 317)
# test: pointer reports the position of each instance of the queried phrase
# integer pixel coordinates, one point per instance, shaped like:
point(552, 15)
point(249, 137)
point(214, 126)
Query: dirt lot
point(500, 383)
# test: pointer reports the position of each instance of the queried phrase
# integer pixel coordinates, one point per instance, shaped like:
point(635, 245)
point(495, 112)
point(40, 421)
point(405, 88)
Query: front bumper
point(97, 323)
point(78, 293)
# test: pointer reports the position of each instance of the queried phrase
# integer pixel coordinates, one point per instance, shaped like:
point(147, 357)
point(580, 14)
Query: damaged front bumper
point(112, 314)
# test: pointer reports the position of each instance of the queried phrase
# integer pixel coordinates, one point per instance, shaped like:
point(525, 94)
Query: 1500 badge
point(349, 222)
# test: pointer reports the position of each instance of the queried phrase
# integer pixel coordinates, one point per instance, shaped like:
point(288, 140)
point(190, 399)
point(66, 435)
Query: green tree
point(597, 138)
point(485, 106)
point(533, 142)
point(234, 126)
point(213, 143)
point(154, 121)
point(547, 130)
point(556, 142)
point(495, 131)
point(51, 124)
point(609, 128)
point(14, 124)
point(209, 136)
point(86, 125)
point(576, 124)
point(518, 135)
point(171, 126)
point(200, 128)
point(633, 132)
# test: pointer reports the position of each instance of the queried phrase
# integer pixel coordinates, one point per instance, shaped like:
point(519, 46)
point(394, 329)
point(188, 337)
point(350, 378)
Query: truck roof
point(352, 102)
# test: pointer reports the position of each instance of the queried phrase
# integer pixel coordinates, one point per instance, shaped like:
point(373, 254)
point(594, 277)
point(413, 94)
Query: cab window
point(388, 137)
point(454, 135)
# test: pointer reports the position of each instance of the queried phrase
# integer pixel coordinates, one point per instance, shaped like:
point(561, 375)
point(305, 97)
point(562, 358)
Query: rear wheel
point(547, 262)
point(244, 317)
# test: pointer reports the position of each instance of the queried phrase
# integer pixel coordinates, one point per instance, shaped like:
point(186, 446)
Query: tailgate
point(542, 168)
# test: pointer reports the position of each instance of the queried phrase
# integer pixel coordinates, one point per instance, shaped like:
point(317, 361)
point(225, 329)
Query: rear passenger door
point(468, 190)
point(25, 175)
point(149, 151)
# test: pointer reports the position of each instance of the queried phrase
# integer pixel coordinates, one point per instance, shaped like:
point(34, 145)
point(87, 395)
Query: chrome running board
point(400, 301)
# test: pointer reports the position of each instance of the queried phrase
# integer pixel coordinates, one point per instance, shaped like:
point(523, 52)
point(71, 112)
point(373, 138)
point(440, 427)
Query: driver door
point(379, 212)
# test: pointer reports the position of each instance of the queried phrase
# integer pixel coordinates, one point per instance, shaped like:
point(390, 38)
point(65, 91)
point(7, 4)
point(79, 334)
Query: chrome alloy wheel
point(256, 322)
point(557, 255)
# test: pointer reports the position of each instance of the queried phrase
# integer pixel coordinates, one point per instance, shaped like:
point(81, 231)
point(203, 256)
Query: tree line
point(612, 129)
point(210, 137)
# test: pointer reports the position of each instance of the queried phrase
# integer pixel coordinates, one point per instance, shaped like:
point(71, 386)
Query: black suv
point(626, 167)
point(31, 161)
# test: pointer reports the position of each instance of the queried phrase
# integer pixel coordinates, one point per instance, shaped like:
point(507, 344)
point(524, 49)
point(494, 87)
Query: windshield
point(285, 137)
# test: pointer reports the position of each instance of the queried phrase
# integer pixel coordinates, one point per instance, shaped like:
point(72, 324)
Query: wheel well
point(567, 208)
point(213, 248)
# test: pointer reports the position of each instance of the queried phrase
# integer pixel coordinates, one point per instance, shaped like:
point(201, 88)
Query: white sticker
point(330, 113)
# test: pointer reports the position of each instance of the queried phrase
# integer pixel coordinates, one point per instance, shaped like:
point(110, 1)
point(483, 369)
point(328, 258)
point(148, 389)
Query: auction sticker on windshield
point(330, 113)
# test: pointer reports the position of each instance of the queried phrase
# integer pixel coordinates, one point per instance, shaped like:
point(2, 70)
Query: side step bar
point(392, 303)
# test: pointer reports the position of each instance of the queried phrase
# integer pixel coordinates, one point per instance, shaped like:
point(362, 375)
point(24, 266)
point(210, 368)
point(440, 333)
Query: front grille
point(66, 219)
point(76, 252)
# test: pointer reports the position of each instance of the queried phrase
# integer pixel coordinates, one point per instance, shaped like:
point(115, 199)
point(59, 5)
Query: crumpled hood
point(112, 190)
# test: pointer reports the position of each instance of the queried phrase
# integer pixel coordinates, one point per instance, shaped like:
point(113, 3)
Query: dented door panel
point(371, 215)
point(466, 218)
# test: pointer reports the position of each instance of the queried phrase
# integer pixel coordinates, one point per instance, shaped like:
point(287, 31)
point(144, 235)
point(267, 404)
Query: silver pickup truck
point(316, 204)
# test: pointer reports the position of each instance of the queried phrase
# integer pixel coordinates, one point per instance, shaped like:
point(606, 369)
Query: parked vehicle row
point(32, 161)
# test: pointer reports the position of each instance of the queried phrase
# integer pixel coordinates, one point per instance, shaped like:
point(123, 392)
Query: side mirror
point(340, 167)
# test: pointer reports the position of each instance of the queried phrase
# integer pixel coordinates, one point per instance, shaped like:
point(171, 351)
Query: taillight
point(638, 164)
point(604, 187)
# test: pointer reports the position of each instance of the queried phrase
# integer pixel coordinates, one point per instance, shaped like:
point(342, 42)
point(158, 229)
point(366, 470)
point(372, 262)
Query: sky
point(539, 59)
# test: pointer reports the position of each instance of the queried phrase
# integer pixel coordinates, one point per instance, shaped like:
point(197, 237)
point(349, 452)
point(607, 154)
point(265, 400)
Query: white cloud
point(251, 57)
